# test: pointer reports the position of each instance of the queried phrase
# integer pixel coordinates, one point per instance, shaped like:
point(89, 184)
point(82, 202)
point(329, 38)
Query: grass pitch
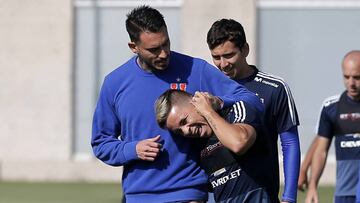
point(23, 192)
point(20, 192)
point(326, 194)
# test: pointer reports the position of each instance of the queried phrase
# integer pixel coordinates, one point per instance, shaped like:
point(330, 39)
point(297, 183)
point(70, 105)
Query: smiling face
point(230, 59)
point(184, 120)
point(153, 50)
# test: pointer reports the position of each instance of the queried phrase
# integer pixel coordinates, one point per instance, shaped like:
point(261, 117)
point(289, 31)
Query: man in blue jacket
point(158, 167)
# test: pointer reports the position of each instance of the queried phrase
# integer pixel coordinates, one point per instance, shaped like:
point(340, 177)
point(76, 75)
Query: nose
point(223, 63)
point(351, 81)
point(164, 53)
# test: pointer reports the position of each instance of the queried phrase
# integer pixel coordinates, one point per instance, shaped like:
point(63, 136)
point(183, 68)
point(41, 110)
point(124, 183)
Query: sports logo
point(355, 142)
point(178, 85)
point(350, 116)
point(354, 135)
point(266, 82)
point(257, 79)
point(210, 149)
point(226, 178)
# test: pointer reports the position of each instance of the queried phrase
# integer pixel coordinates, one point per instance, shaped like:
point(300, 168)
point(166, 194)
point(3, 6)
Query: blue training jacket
point(124, 115)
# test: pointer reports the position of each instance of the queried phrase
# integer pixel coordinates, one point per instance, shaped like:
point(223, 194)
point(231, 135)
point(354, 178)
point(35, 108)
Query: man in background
point(339, 119)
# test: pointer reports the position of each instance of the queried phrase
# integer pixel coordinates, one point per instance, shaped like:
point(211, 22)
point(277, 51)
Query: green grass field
point(325, 195)
point(16, 192)
point(19, 192)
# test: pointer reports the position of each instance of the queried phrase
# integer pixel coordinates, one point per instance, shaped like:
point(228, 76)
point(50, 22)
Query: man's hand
point(215, 101)
point(303, 181)
point(148, 149)
point(202, 102)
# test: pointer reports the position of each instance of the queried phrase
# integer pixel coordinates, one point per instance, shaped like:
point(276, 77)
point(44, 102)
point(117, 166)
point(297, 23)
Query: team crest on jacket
point(178, 85)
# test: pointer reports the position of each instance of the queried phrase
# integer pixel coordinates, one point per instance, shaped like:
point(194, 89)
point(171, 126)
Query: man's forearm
point(317, 167)
point(291, 159)
point(310, 153)
point(237, 137)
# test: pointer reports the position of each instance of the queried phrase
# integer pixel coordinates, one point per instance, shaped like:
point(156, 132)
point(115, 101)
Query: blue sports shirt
point(280, 118)
point(340, 119)
point(240, 178)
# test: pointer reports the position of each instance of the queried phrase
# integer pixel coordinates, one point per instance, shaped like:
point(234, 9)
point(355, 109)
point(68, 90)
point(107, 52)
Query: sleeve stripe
point(326, 102)
point(291, 103)
point(240, 112)
point(243, 110)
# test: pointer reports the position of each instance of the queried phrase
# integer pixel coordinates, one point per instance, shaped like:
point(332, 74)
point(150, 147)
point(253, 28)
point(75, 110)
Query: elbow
point(106, 158)
point(95, 145)
point(242, 146)
point(97, 152)
point(238, 150)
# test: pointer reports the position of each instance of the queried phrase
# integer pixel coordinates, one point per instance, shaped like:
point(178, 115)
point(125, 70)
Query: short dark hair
point(226, 30)
point(141, 19)
point(166, 101)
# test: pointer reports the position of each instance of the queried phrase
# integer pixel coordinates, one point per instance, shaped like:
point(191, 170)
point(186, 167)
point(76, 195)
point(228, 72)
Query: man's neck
point(143, 65)
point(245, 72)
point(355, 99)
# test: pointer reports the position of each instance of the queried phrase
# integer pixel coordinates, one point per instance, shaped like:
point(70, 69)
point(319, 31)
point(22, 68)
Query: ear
point(133, 47)
point(245, 50)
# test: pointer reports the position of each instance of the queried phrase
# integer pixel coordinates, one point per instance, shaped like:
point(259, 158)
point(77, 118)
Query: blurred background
point(54, 55)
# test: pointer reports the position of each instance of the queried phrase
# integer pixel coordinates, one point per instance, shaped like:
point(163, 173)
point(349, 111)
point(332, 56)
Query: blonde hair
point(166, 101)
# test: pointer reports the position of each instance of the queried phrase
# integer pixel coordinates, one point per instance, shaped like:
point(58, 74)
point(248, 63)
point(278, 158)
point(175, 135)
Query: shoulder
point(240, 112)
point(185, 56)
point(119, 77)
point(122, 70)
point(235, 113)
point(182, 58)
point(275, 86)
point(329, 105)
point(185, 61)
point(327, 111)
point(330, 101)
point(271, 80)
